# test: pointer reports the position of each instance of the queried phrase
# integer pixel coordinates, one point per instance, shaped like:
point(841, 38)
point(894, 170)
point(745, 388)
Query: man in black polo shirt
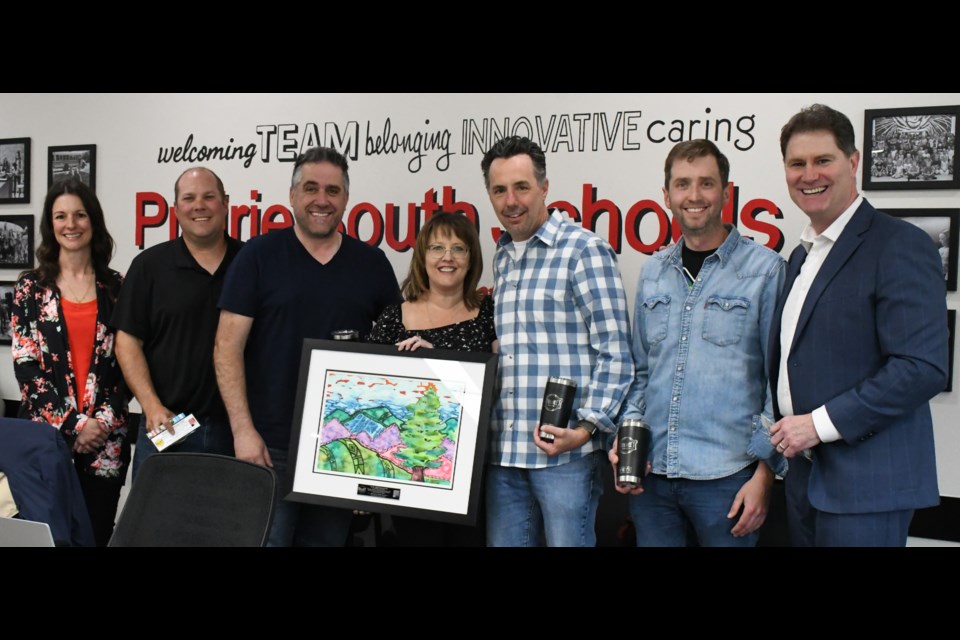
point(166, 320)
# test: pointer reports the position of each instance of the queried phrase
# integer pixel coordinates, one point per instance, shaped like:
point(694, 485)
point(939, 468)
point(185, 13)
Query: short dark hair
point(176, 185)
point(690, 150)
point(515, 146)
point(457, 225)
point(101, 243)
point(321, 154)
point(820, 117)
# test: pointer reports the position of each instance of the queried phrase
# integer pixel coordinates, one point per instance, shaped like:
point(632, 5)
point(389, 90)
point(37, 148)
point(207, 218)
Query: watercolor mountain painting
point(398, 428)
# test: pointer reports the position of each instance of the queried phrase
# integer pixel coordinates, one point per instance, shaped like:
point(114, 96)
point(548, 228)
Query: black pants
point(102, 496)
point(414, 532)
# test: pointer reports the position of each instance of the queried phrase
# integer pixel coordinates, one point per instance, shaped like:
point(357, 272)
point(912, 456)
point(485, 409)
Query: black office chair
point(197, 500)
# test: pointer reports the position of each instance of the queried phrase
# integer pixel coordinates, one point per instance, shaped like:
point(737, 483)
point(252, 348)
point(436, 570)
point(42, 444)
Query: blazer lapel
point(846, 245)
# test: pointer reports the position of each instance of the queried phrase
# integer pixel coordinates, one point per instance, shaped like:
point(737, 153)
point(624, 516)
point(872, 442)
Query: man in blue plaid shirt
point(560, 311)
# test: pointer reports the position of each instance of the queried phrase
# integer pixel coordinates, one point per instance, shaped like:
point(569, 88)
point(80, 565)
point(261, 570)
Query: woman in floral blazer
point(89, 410)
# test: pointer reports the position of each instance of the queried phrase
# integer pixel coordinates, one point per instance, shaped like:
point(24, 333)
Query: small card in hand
point(183, 425)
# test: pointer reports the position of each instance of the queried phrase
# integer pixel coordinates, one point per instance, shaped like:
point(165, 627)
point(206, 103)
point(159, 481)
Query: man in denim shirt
point(701, 322)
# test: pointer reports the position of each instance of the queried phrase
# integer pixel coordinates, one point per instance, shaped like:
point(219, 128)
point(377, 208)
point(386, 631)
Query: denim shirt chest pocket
point(656, 318)
point(723, 319)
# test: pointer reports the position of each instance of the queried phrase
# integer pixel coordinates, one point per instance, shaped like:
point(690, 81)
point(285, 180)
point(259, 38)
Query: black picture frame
point(934, 222)
point(15, 171)
point(351, 446)
point(79, 160)
point(951, 340)
point(16, 242)
point(6, 311)
point(910, 148)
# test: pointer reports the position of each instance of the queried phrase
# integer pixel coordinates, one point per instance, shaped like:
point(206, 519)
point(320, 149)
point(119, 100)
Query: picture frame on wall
point(942, 227)
point(6, 310)
point(391, 431)
point(910, 148)
point(951, 341)
point(16, 242)
point(15, 171)
point(78, 160)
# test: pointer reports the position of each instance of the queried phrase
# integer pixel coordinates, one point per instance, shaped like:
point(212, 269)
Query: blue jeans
point(676, 512)
point(297, 524)
point(213, 436)
point(553, 505)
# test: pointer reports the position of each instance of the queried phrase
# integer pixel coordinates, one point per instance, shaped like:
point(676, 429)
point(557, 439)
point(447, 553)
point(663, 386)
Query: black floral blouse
point(476, 334)
point(42, 363)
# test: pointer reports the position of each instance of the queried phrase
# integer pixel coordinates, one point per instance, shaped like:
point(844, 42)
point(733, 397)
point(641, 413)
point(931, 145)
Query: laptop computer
point(24, 533)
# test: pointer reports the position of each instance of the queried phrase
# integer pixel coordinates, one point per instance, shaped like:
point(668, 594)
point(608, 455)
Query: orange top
point(81, 321)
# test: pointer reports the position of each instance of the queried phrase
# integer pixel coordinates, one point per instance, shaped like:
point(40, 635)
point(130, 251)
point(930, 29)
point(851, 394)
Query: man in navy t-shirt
point(301, 282)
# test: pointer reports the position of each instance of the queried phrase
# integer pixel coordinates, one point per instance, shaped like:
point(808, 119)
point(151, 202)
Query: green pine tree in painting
point(422, 433)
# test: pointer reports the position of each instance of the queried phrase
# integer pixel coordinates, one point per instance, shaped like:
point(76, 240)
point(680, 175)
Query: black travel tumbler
point(633, 449)
point(557, 404)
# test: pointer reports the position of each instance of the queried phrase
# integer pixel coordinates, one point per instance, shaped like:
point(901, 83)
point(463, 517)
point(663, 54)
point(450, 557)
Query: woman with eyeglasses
point(443, 310)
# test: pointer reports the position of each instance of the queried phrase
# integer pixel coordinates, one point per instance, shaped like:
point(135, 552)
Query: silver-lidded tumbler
point(557, 404)
point(633, 449)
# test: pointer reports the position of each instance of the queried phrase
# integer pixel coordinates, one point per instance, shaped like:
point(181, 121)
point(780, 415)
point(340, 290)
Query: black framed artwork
point(15, 171)
point(6, 309)
point(951, 340)
point(941, 225)
point(391, 431)
point(910, 148)
point(79, 160)
point(16, 242)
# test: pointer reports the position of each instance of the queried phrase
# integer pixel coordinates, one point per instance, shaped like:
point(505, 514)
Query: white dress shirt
point(818, 248)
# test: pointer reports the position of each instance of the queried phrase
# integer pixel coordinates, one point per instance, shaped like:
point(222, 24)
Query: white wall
point(131, 130)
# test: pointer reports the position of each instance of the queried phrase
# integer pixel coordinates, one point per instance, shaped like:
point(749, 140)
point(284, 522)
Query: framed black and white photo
point(15, 171)
point(951, 340)
point(941, 225)
point(391, 431)
point(16, 242)
point(910, 148)
point(6, 309)
point(79, 160)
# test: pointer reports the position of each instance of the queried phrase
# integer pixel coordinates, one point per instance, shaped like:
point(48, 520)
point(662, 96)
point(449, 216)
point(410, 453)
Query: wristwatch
point(587, 426)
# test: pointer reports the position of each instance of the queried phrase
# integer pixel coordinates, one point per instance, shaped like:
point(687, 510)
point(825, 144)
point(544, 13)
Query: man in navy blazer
point(858, 347)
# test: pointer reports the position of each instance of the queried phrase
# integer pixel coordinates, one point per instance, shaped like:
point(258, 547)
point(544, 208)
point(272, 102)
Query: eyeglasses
point(438, 251)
